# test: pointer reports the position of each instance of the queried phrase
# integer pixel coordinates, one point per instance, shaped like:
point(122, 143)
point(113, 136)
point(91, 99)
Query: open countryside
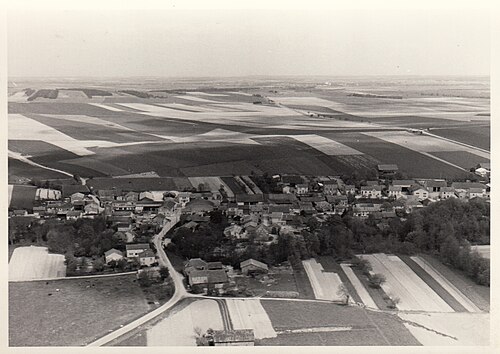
point(250, 217)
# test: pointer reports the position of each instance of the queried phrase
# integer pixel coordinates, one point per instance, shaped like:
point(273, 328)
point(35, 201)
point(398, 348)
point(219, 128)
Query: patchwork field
point(249, 313)
point(31, 263)
point(91, 307)
point(226, 132)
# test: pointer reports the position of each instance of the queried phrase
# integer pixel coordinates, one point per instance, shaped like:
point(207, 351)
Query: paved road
point(179, 293)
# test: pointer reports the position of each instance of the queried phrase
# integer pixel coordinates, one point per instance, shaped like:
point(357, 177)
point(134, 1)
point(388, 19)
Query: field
point(326, 285)
point(249, 313)
point(178, 329)
point(91, 307)
point(30, 263)
point(447, 329)
point(333, 324)
point(275, 282)
point(402, 283)
point(207, 132)
point(21, 197)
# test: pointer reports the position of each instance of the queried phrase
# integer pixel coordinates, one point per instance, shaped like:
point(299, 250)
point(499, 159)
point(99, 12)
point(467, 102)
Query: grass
point(282, 282)
point(478, 294)
point(23, 197)
point(303, 284)
point(369, 328)
point(80, 312)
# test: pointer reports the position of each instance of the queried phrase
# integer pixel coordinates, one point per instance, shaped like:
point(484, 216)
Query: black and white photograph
point(190, 174)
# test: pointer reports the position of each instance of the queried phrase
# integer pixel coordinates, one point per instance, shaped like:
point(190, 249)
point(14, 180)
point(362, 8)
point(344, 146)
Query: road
point(179, 293)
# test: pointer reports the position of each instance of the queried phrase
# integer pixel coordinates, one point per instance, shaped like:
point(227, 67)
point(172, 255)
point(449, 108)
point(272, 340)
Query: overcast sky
point(247, 42)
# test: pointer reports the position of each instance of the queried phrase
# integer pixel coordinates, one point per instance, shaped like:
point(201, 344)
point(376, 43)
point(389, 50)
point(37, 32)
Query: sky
point(244, 42)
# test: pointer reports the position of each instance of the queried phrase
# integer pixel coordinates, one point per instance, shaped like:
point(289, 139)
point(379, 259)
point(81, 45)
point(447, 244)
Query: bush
point(376, 280)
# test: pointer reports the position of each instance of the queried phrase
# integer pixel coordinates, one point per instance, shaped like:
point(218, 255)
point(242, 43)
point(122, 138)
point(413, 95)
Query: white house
point(113, 255)
point(134, 250)
point(371, 191)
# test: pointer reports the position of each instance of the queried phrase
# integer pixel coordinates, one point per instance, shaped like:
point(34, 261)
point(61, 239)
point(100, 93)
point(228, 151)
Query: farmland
point(360, 327)
point(29, 263)
point(206, 132)
point(109, 302)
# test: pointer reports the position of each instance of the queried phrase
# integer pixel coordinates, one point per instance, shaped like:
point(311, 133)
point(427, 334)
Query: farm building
point(69, 189)
point(302, 188)
point(147, 258)
point(252, 266)
point(236, 337)
point(235, 231)
point(330, 187)
point(386, 170)
point(371, 191)
point(419, 192)
point(113, 255)
point(395, 191)
point(134, 250)
point(198, 206)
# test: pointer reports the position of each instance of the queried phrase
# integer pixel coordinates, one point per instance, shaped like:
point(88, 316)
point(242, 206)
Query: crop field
point(141, 184)
point(31, 263)
point(178, 329)
point(326, 285)
point(473, 135)
point(341, 325)
point(91, 307)
point(210, 183)
point(402, 283)
point(22, 197)
point(249, 313)
point(222, 133)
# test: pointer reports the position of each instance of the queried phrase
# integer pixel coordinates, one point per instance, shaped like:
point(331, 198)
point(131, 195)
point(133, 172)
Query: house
point(134, 250)
point(183, 198)
point(20, 212)
point(113, 255)
point(73, 214)
point(69, 189)
point(434, 185)
point(47, 194)
point(252, 266)
point(281, 198)
point(363, 210)
point(387, 170)
point(475, 192)
point(235, 231)
point(323, 206)
point(92, 209)
point(235, 337)
point(395, 191)
point(302, 188)
point(337, 200)
point(195, 264)
point(419, 191)
point(412, 204)
point(371, 191)
point(482, 172)
point(462, 188)
point(249, 199)
point(349, 189)
point(288, 189)
point(203, 280)
point(39, 210)
point(404, 183)
point(292, 180)
point(131, 197)
point(147, 258)
point(447, 192)
point(191, 225)
point(108, 195)
point(168, 207)
point(76, 197)
point(330, 187)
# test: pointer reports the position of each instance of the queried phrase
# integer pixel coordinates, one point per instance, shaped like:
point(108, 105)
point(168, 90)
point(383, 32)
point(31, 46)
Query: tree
point(376, 280)
point(164, 273)
point(98, 265)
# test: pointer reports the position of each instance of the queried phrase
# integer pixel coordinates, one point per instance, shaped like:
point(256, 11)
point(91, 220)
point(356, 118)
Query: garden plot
point(423, 143)
point(402, 283)
point(210, 183)
point(31, 263)
point(326, 286)
point(447, 285)
point(325, 145)
point(179, 328)
point(448, 328)
point(359, 287)
point(105, 106)
point(249, 314)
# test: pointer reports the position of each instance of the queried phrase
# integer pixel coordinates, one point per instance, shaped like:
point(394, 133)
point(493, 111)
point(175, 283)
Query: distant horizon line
point(262, 76)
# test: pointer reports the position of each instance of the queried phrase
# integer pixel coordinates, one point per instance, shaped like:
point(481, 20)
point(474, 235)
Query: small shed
point(252, 266)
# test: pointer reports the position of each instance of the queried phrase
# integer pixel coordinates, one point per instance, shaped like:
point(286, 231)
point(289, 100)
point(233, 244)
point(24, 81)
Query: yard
point(260, 284)
point(72, 312)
